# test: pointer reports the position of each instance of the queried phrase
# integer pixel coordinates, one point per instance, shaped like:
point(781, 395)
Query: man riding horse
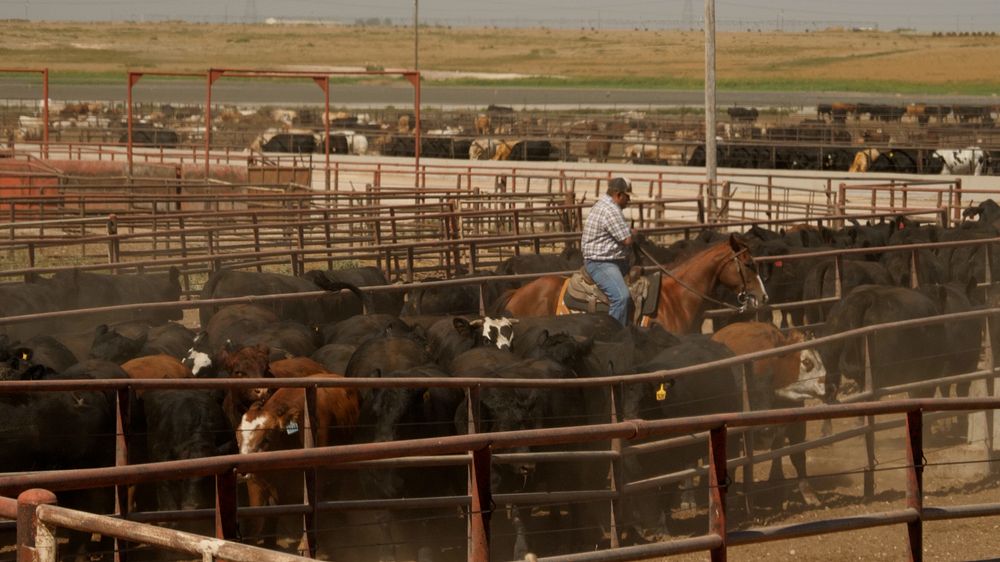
point(606, 236)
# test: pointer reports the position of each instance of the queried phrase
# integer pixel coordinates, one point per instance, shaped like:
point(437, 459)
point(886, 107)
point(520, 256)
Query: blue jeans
point(610, 278)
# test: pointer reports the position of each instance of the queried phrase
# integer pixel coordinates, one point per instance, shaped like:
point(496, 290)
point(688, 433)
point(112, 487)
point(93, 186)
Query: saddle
point(583, 295)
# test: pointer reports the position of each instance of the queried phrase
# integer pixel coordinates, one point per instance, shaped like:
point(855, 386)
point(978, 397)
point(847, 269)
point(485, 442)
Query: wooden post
point(710, 144)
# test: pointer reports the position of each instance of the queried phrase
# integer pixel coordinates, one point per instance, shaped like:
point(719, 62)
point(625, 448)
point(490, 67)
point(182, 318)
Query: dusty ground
point(833, 59)
point(841, 494)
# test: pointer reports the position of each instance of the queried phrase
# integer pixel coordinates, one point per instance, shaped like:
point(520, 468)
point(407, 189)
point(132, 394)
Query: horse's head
point(739, 273)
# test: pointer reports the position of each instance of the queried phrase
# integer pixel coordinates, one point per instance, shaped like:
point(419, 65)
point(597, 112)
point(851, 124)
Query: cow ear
point(734, 243)
point(23, 353)
point(543, 336)
point(462, 326)
point(795, 336)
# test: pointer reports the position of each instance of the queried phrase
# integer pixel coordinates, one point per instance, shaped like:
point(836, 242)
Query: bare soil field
point(870, 61)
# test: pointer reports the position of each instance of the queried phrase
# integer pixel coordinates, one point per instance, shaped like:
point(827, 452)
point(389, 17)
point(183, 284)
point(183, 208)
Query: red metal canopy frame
point(322, 79)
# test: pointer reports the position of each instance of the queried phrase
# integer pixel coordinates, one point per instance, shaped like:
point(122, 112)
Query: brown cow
point(278, 424)
point(156, 367)
point(786, 380)
point(251, 363)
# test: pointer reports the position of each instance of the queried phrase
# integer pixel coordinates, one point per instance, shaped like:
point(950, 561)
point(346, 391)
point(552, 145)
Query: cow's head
point(497, 332)
point(249, 363)
point(198, 358)
point(268, 427)
point(16, 365)
point(110, 345)
point(811, 382)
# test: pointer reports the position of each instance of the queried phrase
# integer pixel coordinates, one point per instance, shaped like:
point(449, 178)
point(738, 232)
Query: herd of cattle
point(347, 332)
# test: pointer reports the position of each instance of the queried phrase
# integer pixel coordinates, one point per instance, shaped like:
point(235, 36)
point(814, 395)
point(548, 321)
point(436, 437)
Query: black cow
point(715, 391)
point(390, 414)
point(451, 336)
point(451, 300)
point(49, 352)
point(743, 113)
point(357, 329)
point(387, 354)
point(334, 357)
point(382, 302)
point(290, 142)
point(897, 356)
point(41, 295)
point(110, 345)
point(511, 409)
point(177, 425)
point(285, 339)
point(170, 338)
point(63, 431)
point(820, 282)
point(312, 312)
point(89, 290)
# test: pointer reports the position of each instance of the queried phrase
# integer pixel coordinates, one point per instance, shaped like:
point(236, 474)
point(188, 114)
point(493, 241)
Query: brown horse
point(684, 290)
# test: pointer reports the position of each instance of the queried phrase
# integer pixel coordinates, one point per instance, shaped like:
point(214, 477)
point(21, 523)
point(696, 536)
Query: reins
point(742, 296)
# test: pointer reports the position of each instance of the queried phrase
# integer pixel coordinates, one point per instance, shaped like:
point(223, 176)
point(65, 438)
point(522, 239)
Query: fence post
point(914, 278)
point(748, 448)
point(915, 482)
point(226, 525)
point(479, 509)
point(718, 484)
point(113, 239)
point(869, 422)
point(617, 476)
point(36, 541)
point(309, 496)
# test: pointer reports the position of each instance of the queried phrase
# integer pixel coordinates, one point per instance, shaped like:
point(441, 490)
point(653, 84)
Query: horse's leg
point(387, 550)
point(796, 433)
point(520, 532)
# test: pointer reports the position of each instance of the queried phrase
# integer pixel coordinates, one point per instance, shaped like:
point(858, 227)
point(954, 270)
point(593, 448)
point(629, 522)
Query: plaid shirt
point(604, 231)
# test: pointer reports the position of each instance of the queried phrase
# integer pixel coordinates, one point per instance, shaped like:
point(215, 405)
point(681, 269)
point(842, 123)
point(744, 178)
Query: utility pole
point(710, 147)
point(416, 34)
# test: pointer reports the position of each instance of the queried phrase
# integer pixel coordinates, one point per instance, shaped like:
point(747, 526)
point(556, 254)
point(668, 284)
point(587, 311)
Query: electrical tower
point(250, 12)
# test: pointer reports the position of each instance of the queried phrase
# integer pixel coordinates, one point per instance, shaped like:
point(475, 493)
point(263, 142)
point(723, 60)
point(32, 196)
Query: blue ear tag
point(292, 428)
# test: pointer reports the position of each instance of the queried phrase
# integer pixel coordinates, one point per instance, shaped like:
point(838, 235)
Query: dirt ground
point(955, 475)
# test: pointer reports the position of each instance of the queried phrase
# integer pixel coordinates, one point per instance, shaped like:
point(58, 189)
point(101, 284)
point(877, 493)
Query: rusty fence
point(39, 517)
point(481, 446)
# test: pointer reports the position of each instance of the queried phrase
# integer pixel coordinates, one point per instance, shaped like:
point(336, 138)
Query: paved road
point(357, 95)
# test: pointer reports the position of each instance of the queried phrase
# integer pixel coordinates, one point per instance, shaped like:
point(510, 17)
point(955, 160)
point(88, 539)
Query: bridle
point(743, 297)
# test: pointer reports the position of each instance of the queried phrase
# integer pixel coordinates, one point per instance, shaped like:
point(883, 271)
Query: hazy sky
point(790, 15)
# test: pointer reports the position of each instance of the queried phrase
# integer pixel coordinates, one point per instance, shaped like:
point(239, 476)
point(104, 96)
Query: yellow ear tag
point(427, 395)
point(661, 393)
point(25, 356)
